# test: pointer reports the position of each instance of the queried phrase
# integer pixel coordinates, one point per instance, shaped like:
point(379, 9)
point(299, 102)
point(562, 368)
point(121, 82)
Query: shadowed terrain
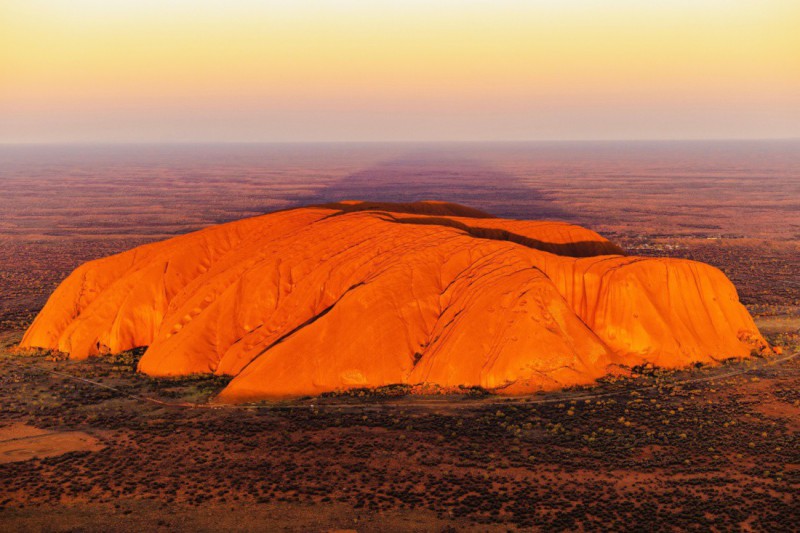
point(423, 175)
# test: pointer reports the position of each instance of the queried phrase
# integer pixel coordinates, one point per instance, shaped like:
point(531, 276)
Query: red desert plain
point(556, 336)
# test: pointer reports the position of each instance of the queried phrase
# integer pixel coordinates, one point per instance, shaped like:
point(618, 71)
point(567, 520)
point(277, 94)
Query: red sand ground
point(20, 442)
point(718, 454)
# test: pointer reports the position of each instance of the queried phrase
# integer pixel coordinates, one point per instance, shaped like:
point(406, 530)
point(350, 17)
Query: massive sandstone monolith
point(356, 294)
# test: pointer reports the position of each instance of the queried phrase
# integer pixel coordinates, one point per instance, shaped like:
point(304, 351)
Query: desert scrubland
point(95, 444)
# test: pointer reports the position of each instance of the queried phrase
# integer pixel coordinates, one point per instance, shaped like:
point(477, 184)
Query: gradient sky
point(228, 70)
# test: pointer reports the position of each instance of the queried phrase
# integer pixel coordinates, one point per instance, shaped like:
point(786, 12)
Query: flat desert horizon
point(733, 204)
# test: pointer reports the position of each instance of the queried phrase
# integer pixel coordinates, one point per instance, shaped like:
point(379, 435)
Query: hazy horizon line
point(398, 142)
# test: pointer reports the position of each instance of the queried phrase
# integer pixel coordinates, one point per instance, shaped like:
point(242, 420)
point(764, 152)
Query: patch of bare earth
point(21, 442)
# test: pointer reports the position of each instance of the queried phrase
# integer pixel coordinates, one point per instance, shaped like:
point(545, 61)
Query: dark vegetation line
point(506, 400)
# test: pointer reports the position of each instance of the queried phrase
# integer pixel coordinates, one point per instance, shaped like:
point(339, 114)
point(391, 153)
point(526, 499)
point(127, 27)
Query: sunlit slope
point(347, 295)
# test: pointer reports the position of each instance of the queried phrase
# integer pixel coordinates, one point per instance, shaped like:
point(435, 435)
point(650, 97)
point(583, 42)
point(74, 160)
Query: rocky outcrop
point(357, 294)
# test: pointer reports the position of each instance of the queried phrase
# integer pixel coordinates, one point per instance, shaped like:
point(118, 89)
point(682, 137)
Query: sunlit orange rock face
point(327, 298)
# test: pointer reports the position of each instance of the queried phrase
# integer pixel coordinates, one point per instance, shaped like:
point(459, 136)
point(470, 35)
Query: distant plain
point(735, 205)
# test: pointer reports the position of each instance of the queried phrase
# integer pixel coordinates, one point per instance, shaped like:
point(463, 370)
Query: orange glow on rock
point(326, 298)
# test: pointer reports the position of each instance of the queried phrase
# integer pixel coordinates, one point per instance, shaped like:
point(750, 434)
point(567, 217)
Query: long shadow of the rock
point(460, 180)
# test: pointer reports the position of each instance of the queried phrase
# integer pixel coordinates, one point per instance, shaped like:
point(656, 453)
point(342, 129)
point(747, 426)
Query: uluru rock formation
point(358, 294)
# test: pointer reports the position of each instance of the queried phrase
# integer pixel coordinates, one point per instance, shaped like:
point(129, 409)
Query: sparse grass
point(650, 452)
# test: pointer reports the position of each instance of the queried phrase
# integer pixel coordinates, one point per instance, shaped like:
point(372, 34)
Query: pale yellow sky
point(203, 70)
